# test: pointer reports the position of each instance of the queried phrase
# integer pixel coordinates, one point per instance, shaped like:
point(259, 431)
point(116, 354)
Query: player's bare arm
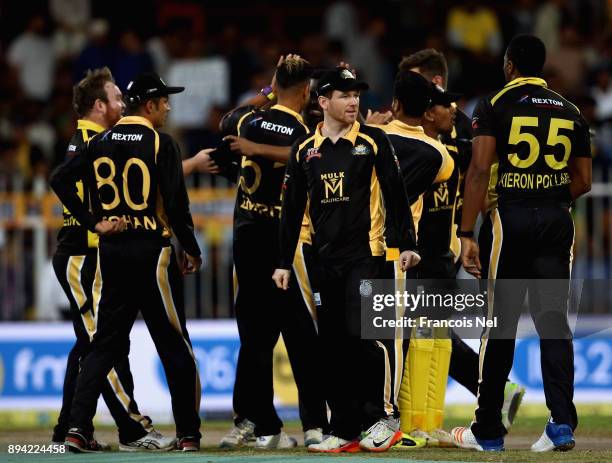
point(249, 148)
point(477, 180)
point(200, 162)
point(581, 176)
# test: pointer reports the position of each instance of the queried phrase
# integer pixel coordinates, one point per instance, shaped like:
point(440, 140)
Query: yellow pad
point(423, 389)
point(438, 378)
point(413, 391)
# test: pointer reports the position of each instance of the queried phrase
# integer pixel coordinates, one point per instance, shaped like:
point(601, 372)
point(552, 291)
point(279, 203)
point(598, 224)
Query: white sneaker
point(153, 441)
point(313, 436)
point(381, 436)
point(335, 444)
point(241, 434)
point(275, 441)
point(464, 438)
point(555, 437)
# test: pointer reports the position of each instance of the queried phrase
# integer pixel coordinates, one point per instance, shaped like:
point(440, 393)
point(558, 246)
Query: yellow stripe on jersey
point(417, 132)
point(136, 120)
point(85, 124)
point(447, 167)
point(517, 83)
point(241, 120)
point(417, 211)
point(370, 141)
point(304, 143)
point(298, 116)
point(156, 144)
point(377, 218)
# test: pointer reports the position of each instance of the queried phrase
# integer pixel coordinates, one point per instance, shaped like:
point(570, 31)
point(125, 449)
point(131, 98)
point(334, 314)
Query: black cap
point(149, 85)
point(339, 79)
point(441, 97)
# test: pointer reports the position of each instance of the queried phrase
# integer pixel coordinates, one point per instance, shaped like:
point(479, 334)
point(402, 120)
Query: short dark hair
point(133, 107)
point(430, 62)
point(528, 54)
point(90, 89)
point(413, 92)
point(293, 71)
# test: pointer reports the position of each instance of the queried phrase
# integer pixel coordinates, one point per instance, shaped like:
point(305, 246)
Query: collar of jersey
point(527, 80)
point(89, 125)
point(136, 120)
point(284, 109)
point(351, 135)
point(403, 127)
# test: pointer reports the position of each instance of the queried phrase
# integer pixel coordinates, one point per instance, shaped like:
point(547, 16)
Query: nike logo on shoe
point(378, 444)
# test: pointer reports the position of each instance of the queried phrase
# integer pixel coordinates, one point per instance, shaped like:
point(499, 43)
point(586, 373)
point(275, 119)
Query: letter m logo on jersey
point(333, 186)
point(441, 195)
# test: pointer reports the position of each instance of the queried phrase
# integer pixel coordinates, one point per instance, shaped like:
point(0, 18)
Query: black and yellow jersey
point(260, 179)
point(349, 186)
point(424, 163)
point(134, 172)
point(536, 131)
point(74, 239)
point(437, 219)
point(459, 145)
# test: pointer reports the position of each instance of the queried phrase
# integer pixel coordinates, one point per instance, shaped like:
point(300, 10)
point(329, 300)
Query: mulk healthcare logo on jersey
point(334, 187)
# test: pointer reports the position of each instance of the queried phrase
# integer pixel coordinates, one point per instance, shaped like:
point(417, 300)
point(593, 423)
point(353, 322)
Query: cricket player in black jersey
point(543, 148)
point(432, 65)
point(340, 176)
point(99, 105)
point(264, 138)
point(138, 199)
point(424, 162)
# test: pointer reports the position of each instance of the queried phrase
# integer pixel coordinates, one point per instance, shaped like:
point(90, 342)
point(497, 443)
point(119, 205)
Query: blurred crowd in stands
point(46, 46)
point(224, 53)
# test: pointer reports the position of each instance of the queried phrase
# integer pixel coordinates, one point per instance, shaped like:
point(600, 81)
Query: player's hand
point(191, 264)
point(378, 118)
point(242, 145)
point(469, 256)
point(408, 259)
point(281, 278)
point(108, 227)
point(281, 60)
point(204, 163)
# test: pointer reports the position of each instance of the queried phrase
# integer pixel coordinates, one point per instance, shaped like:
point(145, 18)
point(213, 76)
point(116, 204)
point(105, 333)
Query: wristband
point(268, 93)
point(465, 234)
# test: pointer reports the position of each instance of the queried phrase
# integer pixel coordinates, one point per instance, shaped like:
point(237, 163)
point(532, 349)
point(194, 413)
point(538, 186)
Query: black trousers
point(531, 244)
point(263, 313)
point(131, 277)
point(357, 373)
point(76, 275)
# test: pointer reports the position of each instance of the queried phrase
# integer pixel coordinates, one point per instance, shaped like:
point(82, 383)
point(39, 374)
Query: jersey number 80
point(109, 181)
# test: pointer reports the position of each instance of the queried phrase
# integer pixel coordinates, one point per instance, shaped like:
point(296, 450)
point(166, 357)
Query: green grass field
point(594, 444)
